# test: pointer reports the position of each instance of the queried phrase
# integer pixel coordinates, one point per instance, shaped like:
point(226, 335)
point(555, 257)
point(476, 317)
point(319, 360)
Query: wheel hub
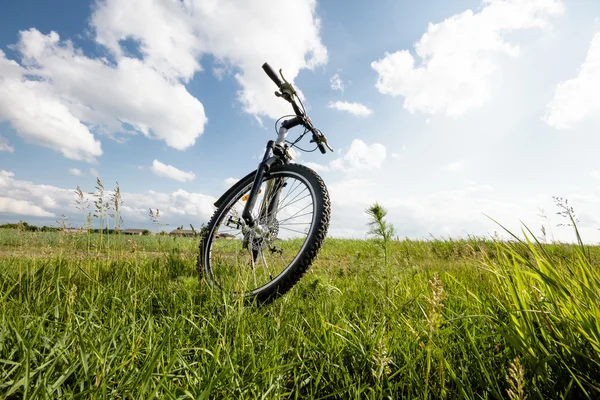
point(260, 239)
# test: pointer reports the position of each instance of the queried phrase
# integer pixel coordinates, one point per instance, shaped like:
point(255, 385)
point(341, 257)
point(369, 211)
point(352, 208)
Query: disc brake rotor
point(263, 240)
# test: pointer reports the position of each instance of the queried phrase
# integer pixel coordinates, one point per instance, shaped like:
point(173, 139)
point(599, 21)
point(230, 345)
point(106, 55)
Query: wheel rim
point(242, 261)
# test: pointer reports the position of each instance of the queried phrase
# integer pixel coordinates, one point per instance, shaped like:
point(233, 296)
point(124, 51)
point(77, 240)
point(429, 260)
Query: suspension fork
point(274, 186)
point(270, 201)
point(262, 169)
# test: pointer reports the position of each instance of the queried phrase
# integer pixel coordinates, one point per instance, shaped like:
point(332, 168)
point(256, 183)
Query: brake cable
point(300, 138)
point(285, 116)
point(287, 88)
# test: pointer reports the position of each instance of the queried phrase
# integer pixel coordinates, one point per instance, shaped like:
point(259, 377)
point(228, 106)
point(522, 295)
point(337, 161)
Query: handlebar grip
point(267, 68)
point(322, 148)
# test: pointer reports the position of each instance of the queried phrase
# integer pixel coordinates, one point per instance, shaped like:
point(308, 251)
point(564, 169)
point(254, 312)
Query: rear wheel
point(292, 217)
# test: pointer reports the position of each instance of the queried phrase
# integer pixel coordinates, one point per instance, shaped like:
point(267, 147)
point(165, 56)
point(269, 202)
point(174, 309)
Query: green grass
point(443, 319)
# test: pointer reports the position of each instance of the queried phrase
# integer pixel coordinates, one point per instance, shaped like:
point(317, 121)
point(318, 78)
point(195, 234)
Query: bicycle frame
point(274, 154)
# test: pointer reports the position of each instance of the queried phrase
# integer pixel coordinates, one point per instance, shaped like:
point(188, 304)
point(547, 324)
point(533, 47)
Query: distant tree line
point(24, 226)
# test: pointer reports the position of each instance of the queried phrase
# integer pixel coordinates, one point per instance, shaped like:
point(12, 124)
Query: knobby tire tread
point(308, 256)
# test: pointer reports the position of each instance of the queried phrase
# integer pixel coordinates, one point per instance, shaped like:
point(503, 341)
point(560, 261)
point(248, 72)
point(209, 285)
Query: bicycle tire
point(285, 280)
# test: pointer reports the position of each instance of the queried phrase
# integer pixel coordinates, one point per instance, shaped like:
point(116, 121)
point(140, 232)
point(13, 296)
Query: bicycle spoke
point(296, 215)
point(231, 230)
point(275, 190)
point(292, 201)
point(266, 265)
point(246, 260)
point(253, 265)
point(290, 191)
point(288, 229)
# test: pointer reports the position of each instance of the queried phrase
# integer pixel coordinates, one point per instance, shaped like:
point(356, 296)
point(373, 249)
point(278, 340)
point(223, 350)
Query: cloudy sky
point(446, 112)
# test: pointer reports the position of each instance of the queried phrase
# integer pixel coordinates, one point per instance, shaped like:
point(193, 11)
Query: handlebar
point(267, 68)
point(287, 92)
point(322, 148)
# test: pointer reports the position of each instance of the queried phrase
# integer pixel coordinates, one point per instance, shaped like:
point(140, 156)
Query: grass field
point(126, 317)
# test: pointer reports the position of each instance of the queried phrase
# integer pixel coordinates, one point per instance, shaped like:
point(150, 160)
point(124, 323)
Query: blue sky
point(442, 111)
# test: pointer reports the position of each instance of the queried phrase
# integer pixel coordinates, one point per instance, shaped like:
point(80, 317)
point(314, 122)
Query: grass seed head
point(382, 361)
point(438, 295)
point(516, 380)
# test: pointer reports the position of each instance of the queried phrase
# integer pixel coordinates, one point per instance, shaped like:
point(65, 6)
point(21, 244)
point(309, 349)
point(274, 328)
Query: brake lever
point(324, 141)
point(286, 87)
point(285, 95)
point(320, 138)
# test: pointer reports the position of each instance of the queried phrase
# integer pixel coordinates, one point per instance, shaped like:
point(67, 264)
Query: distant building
point(183, 232)
point(224, 236)
point(138, 232)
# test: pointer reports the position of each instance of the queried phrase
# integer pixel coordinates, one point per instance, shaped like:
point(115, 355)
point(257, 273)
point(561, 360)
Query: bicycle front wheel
point(292, 214)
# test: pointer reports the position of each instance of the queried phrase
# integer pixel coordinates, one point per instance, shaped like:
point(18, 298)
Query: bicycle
point(269, 227)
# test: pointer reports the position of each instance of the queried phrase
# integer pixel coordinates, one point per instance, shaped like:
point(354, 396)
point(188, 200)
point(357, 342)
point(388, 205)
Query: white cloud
point(578, 98)
point(219, 73)
point(169, 171)
point(59, 98)
point(5, 146)
point(229, 182)
point(352, 192)
point(21, 207)
point(360, 156)
point(360, 110)
point(179, 207)
point(163, 28)
point(400, 154)
point(27, 198)
point(456, 213)
point(459, 56)
point(456, 166)
point(69, 89)
point(107, 96)
point(193, 204)
point(38, 115)
point(337, 83)
point(94, 172)
point(595, 174)
point(37, 200)
point(316, 167)
point(337, 164)
point(173, 35)
point(75, 171)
